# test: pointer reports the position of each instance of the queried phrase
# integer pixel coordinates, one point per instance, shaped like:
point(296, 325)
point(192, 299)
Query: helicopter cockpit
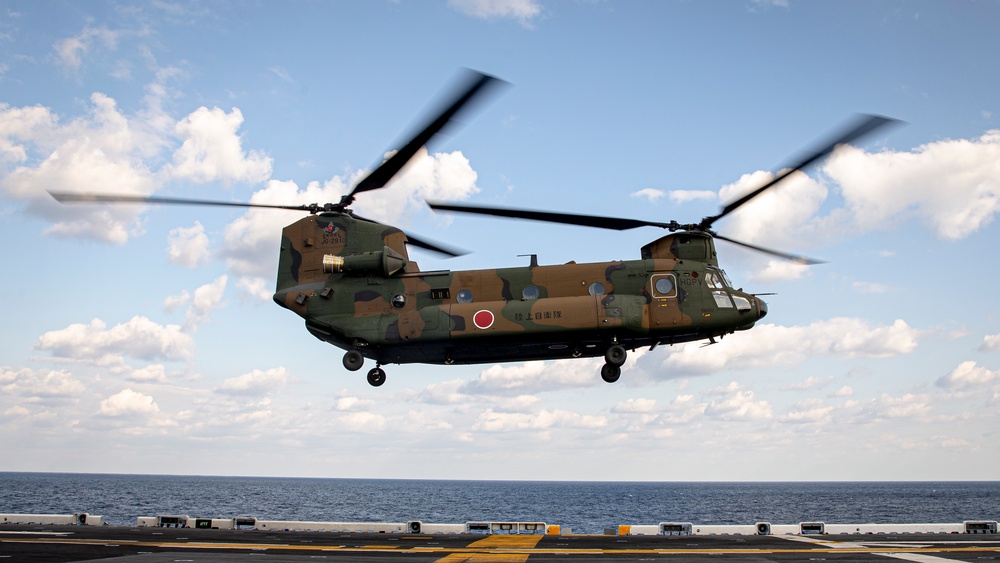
point(722, 290)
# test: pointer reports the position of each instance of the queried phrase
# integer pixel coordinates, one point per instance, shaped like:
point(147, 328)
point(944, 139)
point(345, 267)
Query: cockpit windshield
point(717, 279)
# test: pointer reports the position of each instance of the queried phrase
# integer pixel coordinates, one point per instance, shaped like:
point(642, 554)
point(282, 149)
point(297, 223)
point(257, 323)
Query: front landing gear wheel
point(615, 355)
point(610, 373)
point(376, 377)
point(353, 360)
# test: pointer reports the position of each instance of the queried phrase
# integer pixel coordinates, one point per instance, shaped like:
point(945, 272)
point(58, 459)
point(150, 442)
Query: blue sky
point(143, 339)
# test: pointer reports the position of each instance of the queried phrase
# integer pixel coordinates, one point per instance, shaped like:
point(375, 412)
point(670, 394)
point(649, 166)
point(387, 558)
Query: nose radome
point(762, 305)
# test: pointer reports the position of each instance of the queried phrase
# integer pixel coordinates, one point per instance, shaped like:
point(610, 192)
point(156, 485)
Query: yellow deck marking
point(484, 558)
point(520, 541)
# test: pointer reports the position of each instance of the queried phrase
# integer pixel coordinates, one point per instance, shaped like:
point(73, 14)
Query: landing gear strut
point(376, 376)
point(613, 360)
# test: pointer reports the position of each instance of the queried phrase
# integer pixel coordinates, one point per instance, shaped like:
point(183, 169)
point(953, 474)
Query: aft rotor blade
point(478, 83)
point(863, 125)
point(785, 255)
point(69, 197)
point(426, 245)
point(614, 223)
point(435, 247)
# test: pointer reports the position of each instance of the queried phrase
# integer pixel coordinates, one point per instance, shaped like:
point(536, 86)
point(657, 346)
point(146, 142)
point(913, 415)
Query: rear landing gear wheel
point(353, 360)
point(615, 355)
point(376, 377)
point(610, 373)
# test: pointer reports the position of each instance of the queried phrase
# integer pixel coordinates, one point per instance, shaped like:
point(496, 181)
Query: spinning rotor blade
point(478, 83)
point(864, 124)
point(614, 223)
point(434, 247)
point(785, 255)
point(68, 197)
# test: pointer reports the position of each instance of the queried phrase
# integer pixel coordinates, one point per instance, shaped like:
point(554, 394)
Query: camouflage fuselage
point(353, 283)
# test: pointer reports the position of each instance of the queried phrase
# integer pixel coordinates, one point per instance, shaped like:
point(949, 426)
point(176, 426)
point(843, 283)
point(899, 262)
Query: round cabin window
point(464, 296)
point(596, 288)
point(665, 285)
point(530, 292)
point(398, 301)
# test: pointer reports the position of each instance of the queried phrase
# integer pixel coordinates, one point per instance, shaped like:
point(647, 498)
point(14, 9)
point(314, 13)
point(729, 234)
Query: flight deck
point(174, 540)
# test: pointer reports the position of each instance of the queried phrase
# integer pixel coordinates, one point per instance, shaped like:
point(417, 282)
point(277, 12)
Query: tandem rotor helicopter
point(353, 282)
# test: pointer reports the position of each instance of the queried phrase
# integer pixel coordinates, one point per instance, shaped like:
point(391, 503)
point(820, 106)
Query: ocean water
point(585, 507)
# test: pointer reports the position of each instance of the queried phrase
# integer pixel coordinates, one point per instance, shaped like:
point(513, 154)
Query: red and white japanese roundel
point(483, 319)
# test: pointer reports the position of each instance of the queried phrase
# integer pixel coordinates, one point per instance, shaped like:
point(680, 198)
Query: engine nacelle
point(385, 262)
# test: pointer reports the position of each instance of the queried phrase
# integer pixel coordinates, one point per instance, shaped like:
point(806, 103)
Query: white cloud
point(139, 338)
point(649, 193)
point(524, 11)
point(440, 177)
point(250, 242)
point(100, 150)
point(128, 403)
point(969, 376)
point(886, 406)
point(811, 382)
point(70, 51)
point(174, 302)
point(153, 373)
point(256, 383)
point(493, 421)
point(212, 150)
point(737, 403)
point(205, 299)
point(39, 385)
point(768, 345)
point(810, 411)
point(188, 246)
point(256, 288)
point(952, 185)
point(684, 196)
point(990, 342)
point(533, 377)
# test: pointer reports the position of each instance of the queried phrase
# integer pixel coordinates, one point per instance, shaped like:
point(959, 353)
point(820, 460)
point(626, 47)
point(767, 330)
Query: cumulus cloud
point(39, 385)
point(649, 193)
point(108, 151)
point(100, 149)
point(212, 149)
point(768, 345)
point(250, 242)
point(734, 402)
point(990, 342)
point(128, 403)
point(256, 383)
point(524, 11)
point(139, 338)
point(533, 377)
point(188, 246)
point(953, 186)
point(969, 376)
point(204, 301)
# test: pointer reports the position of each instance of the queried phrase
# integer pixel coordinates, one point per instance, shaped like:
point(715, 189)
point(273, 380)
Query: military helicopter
point(352, 280)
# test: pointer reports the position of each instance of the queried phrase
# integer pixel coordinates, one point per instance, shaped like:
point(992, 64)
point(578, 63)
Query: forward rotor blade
point(614, 223)
point(478, 83)
point(67, 197)
point(863, 125)
point(787, 256)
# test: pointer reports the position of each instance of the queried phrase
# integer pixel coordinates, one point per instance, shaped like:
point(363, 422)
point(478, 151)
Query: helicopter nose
point(762, 307)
